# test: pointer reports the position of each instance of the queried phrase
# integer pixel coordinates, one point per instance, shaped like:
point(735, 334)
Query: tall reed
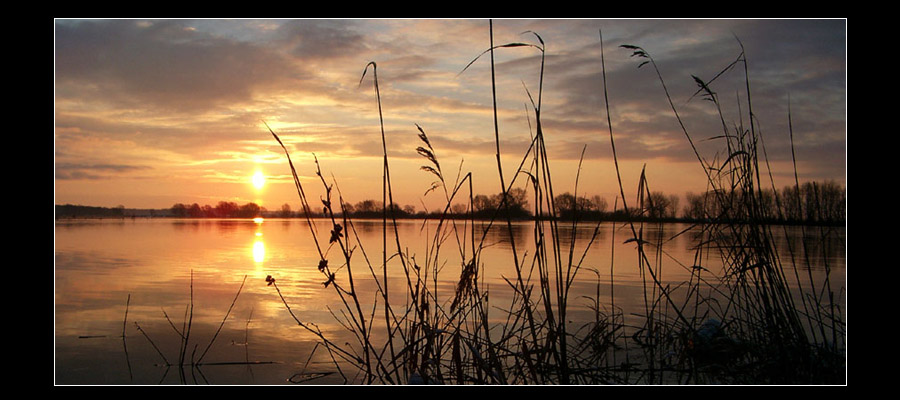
point(763, 335)
point(740, 325)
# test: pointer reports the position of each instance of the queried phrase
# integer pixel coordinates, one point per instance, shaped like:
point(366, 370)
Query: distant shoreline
point(77, 212)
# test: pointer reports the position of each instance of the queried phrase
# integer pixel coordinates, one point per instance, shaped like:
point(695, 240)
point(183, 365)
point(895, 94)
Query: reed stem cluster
point(743, 324)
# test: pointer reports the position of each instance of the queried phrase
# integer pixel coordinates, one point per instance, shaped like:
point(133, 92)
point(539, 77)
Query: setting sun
point(259, 180)
point(166, 131)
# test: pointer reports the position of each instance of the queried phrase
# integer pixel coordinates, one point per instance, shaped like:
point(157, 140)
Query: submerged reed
point(192, 361)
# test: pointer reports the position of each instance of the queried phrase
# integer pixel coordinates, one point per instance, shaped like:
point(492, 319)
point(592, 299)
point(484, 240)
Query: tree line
point(812, 202)
point(483, 206)
point(809, 203)
point(77, 211)
point(224, 209)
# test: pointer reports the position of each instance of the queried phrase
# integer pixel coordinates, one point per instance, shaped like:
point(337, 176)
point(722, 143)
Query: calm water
point(154, 265)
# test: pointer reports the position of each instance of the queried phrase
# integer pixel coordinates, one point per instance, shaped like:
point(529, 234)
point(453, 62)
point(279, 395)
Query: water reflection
point(367, 227)
point(168, 264)
point(498, 233)
point(259, 247)
point(803, 247)
point(221, 225)
point(259, 250)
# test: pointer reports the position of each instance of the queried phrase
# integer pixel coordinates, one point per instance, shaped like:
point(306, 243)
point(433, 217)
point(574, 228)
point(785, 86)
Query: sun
point(258, 180)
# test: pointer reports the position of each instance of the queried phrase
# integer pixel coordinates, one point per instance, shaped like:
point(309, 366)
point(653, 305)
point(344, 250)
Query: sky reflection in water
point(160, 266)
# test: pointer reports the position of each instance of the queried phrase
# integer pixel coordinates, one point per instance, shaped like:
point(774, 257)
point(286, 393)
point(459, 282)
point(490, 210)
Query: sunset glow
point(177, 105)
point(471, 202)
point(258, 180)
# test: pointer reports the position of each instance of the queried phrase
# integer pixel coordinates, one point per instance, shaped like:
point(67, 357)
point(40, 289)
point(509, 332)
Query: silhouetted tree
point(765, 203)
point(658, 205)
point(832, 200)
point(226, 209)
point(516, 203)
point(599, 204)
point(348, 208)
point(569, 206)
point(179, 210)
point(249, 210)
point(459, 208)
point(695, 207)
point(564, 203)
point(791, 204)
point(483, 203)
point(812, 202)
point(285, 211)
point(815, 202)
point(194, 211)
point(368, 206)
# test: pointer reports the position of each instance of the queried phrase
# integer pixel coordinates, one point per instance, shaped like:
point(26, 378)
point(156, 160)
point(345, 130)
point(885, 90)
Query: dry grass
point(741, 326)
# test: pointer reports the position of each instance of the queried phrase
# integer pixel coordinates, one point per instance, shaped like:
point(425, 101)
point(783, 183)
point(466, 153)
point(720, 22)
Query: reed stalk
point(432, 337)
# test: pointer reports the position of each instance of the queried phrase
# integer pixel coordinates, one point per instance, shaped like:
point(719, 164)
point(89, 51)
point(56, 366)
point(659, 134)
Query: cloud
point(72, 171)
point(809, 67)
point(161, 64)
point(183, 95)
point(317, 39)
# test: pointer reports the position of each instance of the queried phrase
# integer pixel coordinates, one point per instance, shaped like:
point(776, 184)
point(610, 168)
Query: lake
point(156, 268)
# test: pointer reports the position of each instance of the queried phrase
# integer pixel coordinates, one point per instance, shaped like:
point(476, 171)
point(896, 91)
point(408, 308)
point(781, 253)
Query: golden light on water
point(259, 250)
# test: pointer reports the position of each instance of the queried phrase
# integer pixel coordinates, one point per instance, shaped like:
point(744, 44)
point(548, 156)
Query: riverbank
point(69, 212)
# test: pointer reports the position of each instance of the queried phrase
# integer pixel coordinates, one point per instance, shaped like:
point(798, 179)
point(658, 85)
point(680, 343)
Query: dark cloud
point(74, 171)
point(114, 76)
point(408, 68)
point(163, 64)
point(804, 61)
point(181, 138)
point(316, 39)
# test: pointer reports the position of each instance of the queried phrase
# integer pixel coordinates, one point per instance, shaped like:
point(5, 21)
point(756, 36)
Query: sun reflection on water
point(259, 247)
point(259, 251)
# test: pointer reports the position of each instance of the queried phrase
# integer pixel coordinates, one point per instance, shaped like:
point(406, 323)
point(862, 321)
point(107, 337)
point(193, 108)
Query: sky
point(149, 113)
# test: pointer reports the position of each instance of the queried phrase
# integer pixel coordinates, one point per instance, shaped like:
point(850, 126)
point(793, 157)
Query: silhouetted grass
point(742, 324)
